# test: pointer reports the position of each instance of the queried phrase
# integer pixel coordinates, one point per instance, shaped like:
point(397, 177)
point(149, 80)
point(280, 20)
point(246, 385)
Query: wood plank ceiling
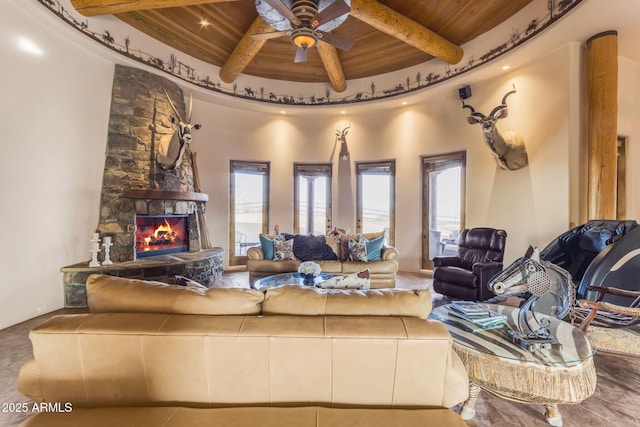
point(377, 50)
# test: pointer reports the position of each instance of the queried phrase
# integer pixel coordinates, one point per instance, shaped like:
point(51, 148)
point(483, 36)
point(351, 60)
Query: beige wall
point(55, 108)
point(629, 126)
point(54, 119)
point(532, 204)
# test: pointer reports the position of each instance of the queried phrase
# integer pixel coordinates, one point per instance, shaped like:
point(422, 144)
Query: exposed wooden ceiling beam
point(333, 66)
point(111, 7)
point(399, 26)
point(244, 51)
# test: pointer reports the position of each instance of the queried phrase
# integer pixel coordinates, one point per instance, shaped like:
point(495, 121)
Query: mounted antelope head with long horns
point(508, 146)
point(170, 156)
point(342, 137)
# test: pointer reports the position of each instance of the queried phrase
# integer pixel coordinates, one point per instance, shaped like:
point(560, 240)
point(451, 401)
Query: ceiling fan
point(306, 22)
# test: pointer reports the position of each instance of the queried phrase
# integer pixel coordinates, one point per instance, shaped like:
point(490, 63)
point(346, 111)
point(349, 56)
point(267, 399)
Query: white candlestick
point(107, 248)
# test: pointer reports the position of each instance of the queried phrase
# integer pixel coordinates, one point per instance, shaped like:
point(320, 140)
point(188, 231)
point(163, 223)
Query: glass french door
point(443, 204)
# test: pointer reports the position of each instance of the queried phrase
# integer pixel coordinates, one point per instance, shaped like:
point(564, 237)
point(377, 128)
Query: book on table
point(487, 319)
point(469, 308)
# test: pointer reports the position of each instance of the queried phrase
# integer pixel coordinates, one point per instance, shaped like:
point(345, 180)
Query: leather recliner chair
point(480, 257)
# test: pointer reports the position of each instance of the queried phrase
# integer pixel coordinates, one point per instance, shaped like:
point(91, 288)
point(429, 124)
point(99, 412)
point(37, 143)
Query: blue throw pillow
point(267, 246)
point(374, 249)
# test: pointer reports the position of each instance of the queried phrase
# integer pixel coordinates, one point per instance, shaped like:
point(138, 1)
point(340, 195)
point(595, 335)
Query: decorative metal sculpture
point(342, 137)
point(552, 294)
point(170, 157)
point(508, 146)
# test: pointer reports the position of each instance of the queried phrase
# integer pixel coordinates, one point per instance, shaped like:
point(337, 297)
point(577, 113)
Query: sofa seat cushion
point(334, 267)
point(307, 301)
point(272, 267)
point(110, 294)
point(308, 416)
point(375, 267)
point(456, 275)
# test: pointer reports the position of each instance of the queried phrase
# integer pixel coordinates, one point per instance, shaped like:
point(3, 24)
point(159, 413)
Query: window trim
point(319, 169)
point(432, 163)
point(378, 167)
point(258, 168)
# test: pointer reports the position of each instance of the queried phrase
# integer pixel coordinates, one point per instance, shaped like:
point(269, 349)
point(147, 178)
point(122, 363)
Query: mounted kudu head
point(507, 147)
point(342, 137)
point(169, 157)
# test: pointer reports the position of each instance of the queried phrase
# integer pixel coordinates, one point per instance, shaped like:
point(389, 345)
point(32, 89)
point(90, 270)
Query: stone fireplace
point(133, 183)
point(136, 188)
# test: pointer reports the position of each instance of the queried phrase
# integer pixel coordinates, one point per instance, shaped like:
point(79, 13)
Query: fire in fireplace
point(161, 234)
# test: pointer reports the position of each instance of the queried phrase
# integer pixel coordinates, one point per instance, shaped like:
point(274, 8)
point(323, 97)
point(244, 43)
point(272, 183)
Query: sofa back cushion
point(308, 301)
point(110, 294)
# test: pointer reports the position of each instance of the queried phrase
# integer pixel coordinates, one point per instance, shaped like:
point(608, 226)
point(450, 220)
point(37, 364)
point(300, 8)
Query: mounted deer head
point(342, 137)
point(170, 156)
point(508, 146)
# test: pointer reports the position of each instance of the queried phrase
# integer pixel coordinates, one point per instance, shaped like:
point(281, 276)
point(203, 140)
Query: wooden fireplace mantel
point(189, 196)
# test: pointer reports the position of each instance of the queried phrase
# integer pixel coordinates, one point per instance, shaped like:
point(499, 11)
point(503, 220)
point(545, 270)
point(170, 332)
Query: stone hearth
point(203, 266)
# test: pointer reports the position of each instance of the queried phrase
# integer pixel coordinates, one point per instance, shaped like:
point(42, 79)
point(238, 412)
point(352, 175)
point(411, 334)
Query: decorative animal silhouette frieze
point(170, 156)
point(342, 137)
point(508, 146)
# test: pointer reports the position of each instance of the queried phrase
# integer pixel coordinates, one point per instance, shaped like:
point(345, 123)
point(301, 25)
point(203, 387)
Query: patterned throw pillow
point(283, 249)
point(358, 250)
point(359, 280)
point(333, 241)
point(344, 242)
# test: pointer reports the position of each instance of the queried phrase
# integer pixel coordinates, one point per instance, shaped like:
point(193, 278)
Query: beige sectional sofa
point(382, 273)
point(291, 356)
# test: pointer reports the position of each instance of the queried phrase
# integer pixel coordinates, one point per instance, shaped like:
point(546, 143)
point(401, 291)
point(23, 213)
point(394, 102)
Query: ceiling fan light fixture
point(304, 38)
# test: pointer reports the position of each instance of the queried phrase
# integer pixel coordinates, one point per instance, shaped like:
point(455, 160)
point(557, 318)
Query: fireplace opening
point(161, 234)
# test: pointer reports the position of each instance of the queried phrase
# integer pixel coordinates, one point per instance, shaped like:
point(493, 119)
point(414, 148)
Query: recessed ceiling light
point(204, 23)
point(404, 102)
point(506, 67)
point(283, 112)
point(343, 112)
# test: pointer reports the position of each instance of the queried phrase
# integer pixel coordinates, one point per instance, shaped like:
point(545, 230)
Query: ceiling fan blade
point(284, 10)
point(340, 42)
point(331, 12)
point(301, 55)
point(270, 35)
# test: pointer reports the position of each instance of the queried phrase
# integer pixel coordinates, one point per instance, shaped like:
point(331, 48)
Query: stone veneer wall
point(140, 122)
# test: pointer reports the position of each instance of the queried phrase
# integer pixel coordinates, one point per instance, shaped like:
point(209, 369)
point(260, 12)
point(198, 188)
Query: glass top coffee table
point(291, 279)
point(544, 376)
